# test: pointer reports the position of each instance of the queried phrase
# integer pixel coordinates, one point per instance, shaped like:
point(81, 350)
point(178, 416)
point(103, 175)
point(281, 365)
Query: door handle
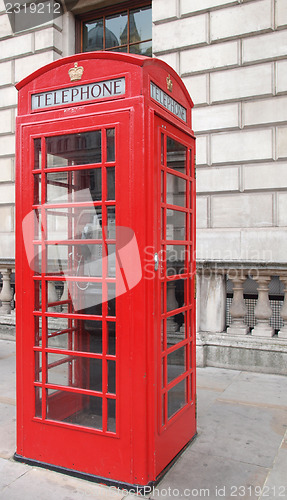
point(156, 260)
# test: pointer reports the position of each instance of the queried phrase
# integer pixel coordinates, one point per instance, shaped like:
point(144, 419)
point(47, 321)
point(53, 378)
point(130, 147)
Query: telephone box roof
point(133, 59)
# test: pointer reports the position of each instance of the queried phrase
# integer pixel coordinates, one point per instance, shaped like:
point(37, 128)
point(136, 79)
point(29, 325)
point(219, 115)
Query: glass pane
point(163, 224)
point(75, 335)
point(89, 336)
point(74, 223)
point(175, 329)
point(73, 371)
point(88, 223)
point(176, 155)
point(124, 48)
point(111, 183)
point(38, 330)
point(111, 299)
point(176, 364)
point(74, 408)
point(176, 398)
point(111, 337)
point(93, 35)
point(59, 223)
point(140, 24)
point(38, 366)
point(74, 149)
point(36, 263)
point(191, 227)
point(112, 415)
point(175, 190)
point(116, 32)
point(176, 257)
point(110, 144)
point(163, 333)
point(111, 230)
point(37, 189)
point(143, 49)
point(74, 186)
point(175, 225)
point(162, 149)
point(38, 402)
point(37, 153)
point(38, 295)
point(85, 297)
point(75, 260)
point(111, 376)
point(37, 225)
point(111, 261)
point(175, 294)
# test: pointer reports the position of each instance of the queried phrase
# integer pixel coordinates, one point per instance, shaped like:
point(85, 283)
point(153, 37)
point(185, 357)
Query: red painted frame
point(141, 448)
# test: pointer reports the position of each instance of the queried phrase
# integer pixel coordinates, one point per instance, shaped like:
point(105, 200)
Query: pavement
point(240, 451)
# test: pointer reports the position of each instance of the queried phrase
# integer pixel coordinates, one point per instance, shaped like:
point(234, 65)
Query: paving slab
point(197, 475)
point(7, 370)
point(276, 484)
point(245, 433)
point(7, 430)
point(7, 348)
point(205, 399)
point(254, 388)
point(41, 484)
point(215, 378)
point(9, 472)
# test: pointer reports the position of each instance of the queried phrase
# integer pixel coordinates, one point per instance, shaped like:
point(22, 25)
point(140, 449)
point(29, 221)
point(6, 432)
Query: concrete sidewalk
point(240, 451)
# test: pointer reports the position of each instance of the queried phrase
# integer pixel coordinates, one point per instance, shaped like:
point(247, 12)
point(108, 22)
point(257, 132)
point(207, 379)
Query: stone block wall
point(20, 55)
point(232, 56)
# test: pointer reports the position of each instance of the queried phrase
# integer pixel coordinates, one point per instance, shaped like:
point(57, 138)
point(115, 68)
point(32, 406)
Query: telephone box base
point(131, 488)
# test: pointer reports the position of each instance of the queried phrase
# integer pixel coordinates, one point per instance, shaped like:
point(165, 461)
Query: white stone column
point(213, 301)
point(6, 294)
point(282, 334)
point(263, 311)
point(238, 309)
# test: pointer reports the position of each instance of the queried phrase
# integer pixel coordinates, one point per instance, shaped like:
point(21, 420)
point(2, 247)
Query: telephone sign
point(105, 268)
point(78, 93)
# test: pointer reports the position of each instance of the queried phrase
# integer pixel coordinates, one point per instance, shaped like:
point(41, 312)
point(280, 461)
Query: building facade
point(232, 57)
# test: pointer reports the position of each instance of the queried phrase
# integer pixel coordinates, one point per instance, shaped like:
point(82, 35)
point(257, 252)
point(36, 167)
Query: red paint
point(146, 437)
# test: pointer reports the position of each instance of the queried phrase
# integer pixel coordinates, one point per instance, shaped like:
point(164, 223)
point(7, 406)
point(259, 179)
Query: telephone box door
point(76, 381)
point(175, 291)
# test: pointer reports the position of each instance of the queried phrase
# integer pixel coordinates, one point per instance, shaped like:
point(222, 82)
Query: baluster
point(238, 309)
point(65, 297)
point(171, 301)
point(52, 296)
point(213, 301)
point(282, 334)
point(263, 311)
point(6, 294)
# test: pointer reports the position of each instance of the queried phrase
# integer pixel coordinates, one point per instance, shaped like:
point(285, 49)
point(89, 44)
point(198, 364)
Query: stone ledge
point(245, 353)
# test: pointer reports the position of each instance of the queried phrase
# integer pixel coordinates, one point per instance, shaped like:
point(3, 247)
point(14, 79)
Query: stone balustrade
point(225, 333)
point(7, 295)
point(211, 307)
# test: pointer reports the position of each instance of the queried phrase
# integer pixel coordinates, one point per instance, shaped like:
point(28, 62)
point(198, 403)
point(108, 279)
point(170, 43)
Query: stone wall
point(232, 56)
point(20, 55)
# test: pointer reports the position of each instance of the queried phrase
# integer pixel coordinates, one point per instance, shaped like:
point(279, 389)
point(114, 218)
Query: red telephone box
point(105, 267)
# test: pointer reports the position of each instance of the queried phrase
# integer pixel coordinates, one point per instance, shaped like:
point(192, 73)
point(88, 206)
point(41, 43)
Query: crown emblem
point(169, 83)
point(76, 72)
